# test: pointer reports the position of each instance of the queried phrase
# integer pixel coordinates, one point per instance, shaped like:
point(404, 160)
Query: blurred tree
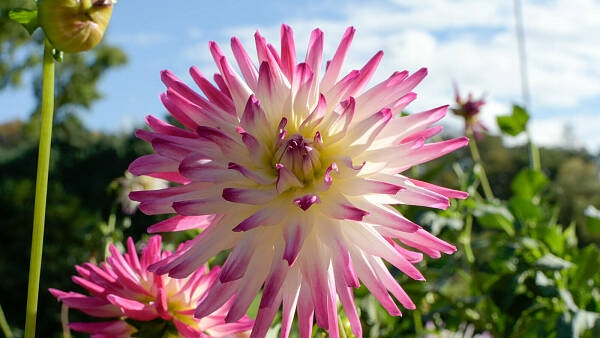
point(83, 165)
point(577, 185)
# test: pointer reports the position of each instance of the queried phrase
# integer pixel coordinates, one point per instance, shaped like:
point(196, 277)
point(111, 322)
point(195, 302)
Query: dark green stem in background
point(485, 184)
point(41, 190)
point(465, 239)
point(4, 325)
point(534, 154)
point(419, 331)
point(64, 318)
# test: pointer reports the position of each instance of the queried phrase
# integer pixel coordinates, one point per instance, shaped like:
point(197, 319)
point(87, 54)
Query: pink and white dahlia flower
point(295, 170)
point(123, 289)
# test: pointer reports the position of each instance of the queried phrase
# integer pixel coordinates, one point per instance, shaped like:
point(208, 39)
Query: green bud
point(74, 25)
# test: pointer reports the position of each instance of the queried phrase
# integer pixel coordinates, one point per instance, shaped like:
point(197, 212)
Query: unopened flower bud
point(74, 25)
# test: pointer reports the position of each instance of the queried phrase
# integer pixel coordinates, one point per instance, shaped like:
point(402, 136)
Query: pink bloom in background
point(122, 288)
point(469, 111)
point(295, 170)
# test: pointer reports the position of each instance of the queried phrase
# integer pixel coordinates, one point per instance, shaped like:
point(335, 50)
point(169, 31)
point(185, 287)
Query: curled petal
point(306, 201)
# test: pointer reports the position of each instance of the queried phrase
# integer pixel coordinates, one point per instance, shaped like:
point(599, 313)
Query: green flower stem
point(485, 184)
point(465, 238)
point(419, 331)
point(534, 154)
point(41, 190)
point(4, 325)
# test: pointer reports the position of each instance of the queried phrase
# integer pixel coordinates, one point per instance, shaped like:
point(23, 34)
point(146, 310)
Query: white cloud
point(140, 39)
point(474, 43)
point(570, 131)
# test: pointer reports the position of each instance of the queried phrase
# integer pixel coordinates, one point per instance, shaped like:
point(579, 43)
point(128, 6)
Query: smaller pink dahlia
point(469, 110)
point(121, 288)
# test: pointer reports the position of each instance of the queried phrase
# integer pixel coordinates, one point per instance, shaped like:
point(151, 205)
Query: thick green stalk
point(4, 325)
point(41, 190)
point(485, 184)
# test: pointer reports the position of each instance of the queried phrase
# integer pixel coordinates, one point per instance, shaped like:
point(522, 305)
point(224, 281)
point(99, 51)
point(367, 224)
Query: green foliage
point(495, 217)
point(514, 124)
point(527, 275)
point(81, 217)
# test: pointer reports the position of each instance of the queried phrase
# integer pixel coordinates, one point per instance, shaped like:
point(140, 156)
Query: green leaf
point(528, 183)
point(592, 217)
point(588, 265)
point(58, 55)
point(570, 235)
point(514, 124)
point(579, 323)
point(585, 320)
point(524, 209)
point(26, 17)
point(568, 299)
point(529, 243)
point(498, 217)
point(553, 237)
point(551, 262)
point(438, 222)
point(545, 285)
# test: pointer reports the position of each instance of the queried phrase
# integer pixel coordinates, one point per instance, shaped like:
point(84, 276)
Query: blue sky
point(470, 41)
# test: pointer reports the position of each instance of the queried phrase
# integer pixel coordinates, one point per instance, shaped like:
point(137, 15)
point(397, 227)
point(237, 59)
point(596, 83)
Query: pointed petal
point(212, 93)
point(288, 52)
point(152, 163)
point(181, 223)
point(294, 234)
point(245, 63)
point(450, 193)
point(333, 71)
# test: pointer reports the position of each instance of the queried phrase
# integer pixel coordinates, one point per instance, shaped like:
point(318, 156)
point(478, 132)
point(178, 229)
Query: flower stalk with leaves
point(469, 110)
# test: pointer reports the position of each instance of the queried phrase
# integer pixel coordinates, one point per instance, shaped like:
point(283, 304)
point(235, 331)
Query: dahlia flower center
point(299, 155)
